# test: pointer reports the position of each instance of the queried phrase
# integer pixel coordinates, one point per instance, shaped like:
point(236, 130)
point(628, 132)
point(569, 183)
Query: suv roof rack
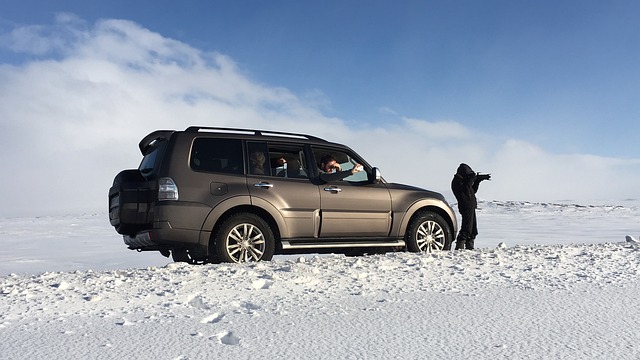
point(252, 132)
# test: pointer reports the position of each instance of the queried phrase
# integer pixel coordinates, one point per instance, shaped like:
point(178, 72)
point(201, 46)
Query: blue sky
point(562, 74)
point(558, 79)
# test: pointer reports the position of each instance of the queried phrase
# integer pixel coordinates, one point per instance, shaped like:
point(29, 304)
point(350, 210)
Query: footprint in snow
point(63, 285)
point(92, 298)
point(228, 338)
point(458, 267)
point(250, 306)
point(262, 284)
point(124, 322)
point(245, 307)
point(212, 319)
point(198, 303)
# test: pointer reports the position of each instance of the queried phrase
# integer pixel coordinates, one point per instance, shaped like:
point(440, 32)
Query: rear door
point(278, 173)
point(216, 171)
point(354, 206)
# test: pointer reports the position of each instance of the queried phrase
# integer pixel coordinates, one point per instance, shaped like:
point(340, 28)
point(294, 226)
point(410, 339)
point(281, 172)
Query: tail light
point(167, 189)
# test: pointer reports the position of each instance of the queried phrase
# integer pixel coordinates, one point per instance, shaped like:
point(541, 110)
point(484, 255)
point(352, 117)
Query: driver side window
point(344, 161)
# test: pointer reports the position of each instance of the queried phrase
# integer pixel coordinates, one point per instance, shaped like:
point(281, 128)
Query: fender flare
point(440, 207)
point(244, 201)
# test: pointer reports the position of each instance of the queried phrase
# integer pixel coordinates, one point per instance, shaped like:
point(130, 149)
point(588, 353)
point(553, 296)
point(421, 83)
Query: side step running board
point(288, 245)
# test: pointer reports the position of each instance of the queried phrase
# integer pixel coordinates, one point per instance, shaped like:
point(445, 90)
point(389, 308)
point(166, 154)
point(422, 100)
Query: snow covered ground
point(565, 285)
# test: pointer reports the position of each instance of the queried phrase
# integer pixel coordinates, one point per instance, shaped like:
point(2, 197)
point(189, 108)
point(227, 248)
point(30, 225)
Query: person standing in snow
point(464, 186)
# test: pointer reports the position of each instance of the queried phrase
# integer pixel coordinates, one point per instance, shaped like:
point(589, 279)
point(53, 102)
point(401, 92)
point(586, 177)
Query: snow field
point(493, 302)
point(573, 296)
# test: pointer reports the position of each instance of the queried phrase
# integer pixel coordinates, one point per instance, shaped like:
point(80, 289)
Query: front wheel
point(428, 232)
point(244, 237)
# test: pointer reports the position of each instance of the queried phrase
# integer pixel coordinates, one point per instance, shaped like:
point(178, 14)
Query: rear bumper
point(164, 237)
point(140, 241)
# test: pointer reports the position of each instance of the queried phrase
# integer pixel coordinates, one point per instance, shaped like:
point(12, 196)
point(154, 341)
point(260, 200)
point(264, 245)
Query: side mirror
point(377, 176)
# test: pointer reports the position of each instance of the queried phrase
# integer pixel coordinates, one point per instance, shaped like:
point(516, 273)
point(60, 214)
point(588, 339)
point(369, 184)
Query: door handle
point(333, 189)
point(263, 185)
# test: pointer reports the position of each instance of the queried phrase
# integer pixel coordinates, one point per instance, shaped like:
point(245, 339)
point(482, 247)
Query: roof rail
point(252, 132)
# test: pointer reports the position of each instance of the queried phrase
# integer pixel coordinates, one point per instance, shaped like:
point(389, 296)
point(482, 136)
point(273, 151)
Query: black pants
point(469, 228)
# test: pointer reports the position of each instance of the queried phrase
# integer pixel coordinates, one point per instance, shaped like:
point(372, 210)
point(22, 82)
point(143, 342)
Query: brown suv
point(233, 195)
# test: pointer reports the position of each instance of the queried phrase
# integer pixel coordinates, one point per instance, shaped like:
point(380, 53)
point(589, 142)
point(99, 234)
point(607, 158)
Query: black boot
point(460, 242)
point(470, 244)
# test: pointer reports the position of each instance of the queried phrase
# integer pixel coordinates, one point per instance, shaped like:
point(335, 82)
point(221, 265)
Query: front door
point(353, 206)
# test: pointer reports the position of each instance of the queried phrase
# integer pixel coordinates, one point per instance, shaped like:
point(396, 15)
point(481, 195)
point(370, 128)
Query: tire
point(428, 232)
point(124, 209)
point(244, 237)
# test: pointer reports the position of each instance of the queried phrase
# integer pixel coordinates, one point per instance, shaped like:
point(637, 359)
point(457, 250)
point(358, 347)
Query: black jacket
point(465, 185)
point(336, 176)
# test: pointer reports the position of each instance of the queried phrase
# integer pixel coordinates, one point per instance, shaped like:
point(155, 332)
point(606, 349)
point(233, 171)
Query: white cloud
point(71, 119)
point(41, 39)
point(441, 130)
point(539, 175)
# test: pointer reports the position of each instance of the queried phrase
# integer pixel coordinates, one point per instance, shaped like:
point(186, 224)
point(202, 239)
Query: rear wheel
point(244, 237)
point(428, 232)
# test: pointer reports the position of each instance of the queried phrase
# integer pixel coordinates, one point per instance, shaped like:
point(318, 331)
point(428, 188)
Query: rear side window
point(217, 155)
point(287, 161)
point(273, 159)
